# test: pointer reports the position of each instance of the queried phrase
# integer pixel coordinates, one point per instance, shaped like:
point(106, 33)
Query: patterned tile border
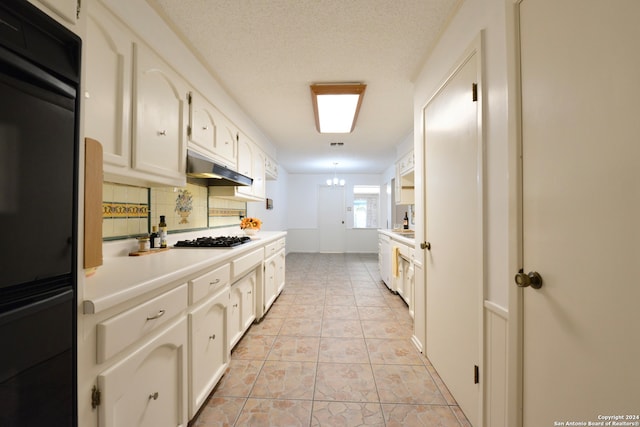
point(124, 210)
point(221, 212)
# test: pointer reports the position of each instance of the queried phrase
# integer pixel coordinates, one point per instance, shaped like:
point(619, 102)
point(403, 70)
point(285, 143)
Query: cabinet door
point(245, 162)
point(209, 348)
point(234, 318)
point(108, 86)
point(270, 282)
point(148, 387)
point(226, 141)
point(258, 170)
point(280, 271)
point(247, 287)
point(211, 131)
point(202, 123)
point(158, 117)
point(384, 261)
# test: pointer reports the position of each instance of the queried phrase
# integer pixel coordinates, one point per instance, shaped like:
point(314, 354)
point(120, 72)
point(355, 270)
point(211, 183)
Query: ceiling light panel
point(336, 106)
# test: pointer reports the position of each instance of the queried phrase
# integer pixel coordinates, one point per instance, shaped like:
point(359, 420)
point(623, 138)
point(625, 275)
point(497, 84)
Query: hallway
point(334, 350)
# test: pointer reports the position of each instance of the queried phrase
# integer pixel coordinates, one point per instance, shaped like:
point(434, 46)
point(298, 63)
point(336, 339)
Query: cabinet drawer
point(209, 283)
point(247, 262)
point(274, 247)
point(118, 332)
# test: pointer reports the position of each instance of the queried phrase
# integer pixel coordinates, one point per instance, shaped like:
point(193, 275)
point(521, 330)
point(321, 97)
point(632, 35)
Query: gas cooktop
point(213, 242)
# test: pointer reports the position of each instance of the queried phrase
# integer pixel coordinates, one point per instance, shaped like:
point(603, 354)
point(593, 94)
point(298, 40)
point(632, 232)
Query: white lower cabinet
point(242, 310)
point(384, 259)
point(149, 386)
point(247, 288)
point(274, 269)
point(155, 360)
point(208, 348)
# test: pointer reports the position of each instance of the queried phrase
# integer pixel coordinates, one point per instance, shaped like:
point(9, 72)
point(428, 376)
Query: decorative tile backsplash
point(183, 208)
point(129, 211)
point(223, 212)
point(125, 210)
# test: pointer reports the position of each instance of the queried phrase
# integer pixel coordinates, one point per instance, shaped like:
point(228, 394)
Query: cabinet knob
point(162, 132)
point(235, 305)
point(205, 127)
point(154, 396)
point(212, 337)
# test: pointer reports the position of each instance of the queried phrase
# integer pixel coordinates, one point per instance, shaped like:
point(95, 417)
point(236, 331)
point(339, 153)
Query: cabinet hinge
point(189, 98)
point(189, 131)
point(476, 374)
point(95, 397)
point(474, 92)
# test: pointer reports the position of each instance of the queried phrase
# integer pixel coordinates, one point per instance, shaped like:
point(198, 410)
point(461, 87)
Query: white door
point(453, 200)
point(581, 210)
point(331, 219)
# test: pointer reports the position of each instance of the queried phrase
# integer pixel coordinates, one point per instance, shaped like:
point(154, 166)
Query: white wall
point(275, 219)
point(302, 212)
point(475, 16)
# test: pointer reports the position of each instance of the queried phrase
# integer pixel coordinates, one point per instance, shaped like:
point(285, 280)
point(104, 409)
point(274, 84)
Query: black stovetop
point(213, 242)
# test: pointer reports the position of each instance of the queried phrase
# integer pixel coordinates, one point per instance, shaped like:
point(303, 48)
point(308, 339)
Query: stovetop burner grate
point(213, 242)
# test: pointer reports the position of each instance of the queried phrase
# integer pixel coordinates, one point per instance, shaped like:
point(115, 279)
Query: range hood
point(215, 174)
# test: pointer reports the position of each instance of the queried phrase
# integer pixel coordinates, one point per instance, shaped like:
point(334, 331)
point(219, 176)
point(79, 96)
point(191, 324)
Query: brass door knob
point(532, 279)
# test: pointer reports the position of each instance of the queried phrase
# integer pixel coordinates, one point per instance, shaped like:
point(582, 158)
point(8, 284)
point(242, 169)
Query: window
point(366, 199)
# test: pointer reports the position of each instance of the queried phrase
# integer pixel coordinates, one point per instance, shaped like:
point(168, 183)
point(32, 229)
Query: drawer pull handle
point(157, 316)
point(215, 282)
point(154, 396)
point(212, 337)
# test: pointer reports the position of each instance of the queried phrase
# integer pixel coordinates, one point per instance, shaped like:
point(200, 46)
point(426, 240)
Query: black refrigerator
point(39, 122)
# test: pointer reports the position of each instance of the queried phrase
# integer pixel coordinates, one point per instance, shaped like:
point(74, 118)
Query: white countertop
point(124, 277)
point(399, 237)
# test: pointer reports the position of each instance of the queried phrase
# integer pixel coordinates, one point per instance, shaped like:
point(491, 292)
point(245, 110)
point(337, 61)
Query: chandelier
point(335, 181)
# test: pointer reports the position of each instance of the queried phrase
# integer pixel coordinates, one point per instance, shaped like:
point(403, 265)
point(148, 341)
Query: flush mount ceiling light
point(336, 106)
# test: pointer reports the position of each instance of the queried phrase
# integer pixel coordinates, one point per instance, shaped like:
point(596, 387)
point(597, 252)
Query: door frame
point(475, 47)
point(515, 327)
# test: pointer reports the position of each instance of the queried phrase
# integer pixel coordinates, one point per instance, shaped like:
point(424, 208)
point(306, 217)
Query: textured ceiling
point(266, 53)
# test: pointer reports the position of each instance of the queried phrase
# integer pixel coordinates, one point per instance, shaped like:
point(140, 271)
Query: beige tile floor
point(334, 350)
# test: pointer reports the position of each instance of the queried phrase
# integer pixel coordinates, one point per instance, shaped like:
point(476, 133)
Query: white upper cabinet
point(258, 170)
point(108, 87)
point(251, 161)
point(158, 117)
point(404, 182)
point(210, 132)
point(66, 10)
point(271, 168)
point(135, 105)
